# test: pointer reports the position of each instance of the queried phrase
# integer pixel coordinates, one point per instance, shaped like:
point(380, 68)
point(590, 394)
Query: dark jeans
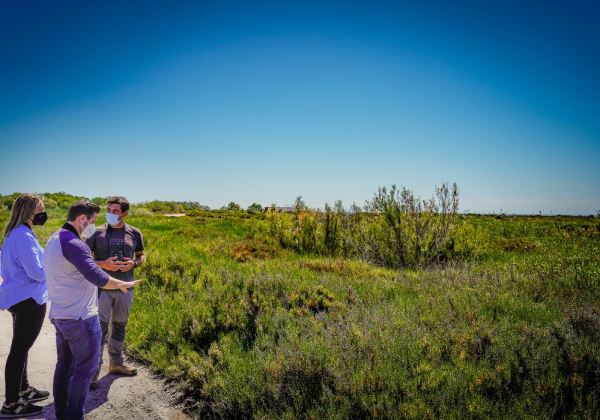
point(78, 356)
point(28, 318)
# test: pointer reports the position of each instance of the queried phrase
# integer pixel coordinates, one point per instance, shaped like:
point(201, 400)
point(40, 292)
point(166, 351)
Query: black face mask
point(40, 218)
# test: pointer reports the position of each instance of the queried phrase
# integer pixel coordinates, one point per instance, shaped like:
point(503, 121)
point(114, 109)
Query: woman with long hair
point(24, 293)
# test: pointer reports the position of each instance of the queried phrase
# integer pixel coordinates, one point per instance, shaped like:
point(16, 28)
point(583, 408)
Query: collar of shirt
point(71, 228)
point(109, 227)
point(27, 226)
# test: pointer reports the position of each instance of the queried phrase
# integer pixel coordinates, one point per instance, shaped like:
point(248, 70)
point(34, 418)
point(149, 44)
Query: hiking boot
point(122, 370)
point(94, 383)
point(20, 408)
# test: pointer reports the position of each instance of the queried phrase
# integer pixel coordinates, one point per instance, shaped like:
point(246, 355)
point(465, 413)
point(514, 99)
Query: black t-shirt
point(107, 241)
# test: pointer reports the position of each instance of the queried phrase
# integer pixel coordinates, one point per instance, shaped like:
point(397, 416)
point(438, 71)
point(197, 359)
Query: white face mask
point(89, 230)
point(112, 219)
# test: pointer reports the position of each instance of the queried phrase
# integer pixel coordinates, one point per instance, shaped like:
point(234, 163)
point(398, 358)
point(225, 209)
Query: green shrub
point(396, 230)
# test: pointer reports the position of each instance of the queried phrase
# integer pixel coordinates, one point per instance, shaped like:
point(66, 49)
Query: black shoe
point(33, 395)
point(94, 383)
point(20, 408)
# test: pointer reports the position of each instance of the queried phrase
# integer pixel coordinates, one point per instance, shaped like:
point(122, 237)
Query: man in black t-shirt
point(118, 249)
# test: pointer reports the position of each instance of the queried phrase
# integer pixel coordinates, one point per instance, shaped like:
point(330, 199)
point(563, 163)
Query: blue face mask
point(112, 219)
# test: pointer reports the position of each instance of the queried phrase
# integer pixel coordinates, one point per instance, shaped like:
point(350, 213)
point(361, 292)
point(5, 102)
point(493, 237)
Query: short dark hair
point(122, 201)
point(85, 207)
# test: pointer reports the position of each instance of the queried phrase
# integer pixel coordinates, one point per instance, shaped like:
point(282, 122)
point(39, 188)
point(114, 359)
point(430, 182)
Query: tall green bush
point(395, 229)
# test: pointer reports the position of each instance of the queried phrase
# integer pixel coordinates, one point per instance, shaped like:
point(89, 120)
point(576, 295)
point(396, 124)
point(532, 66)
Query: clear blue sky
point(262, 101)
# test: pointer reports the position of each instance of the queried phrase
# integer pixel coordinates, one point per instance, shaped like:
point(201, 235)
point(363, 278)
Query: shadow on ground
point(96, 398)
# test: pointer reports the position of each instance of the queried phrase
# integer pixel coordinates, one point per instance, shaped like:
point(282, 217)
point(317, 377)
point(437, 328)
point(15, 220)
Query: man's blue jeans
point(78, 351)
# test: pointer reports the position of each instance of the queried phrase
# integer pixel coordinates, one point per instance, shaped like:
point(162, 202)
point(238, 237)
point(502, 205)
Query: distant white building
point(285, 209)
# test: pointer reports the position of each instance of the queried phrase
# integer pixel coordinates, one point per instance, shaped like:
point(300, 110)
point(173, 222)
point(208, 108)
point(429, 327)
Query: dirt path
point(138, 397)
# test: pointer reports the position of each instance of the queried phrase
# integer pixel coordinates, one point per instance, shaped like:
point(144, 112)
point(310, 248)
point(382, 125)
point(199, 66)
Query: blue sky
point(263, 101)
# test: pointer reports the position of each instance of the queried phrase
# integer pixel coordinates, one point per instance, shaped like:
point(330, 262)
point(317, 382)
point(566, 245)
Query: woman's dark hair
point(121, 201)
point(84, 207)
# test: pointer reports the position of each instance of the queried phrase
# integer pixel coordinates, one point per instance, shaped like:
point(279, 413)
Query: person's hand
point(110, 264)
point(126, 265)
point(128, 285)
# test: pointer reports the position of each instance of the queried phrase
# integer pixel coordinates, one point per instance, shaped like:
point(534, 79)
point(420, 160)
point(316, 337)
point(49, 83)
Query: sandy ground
point(139, 397)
